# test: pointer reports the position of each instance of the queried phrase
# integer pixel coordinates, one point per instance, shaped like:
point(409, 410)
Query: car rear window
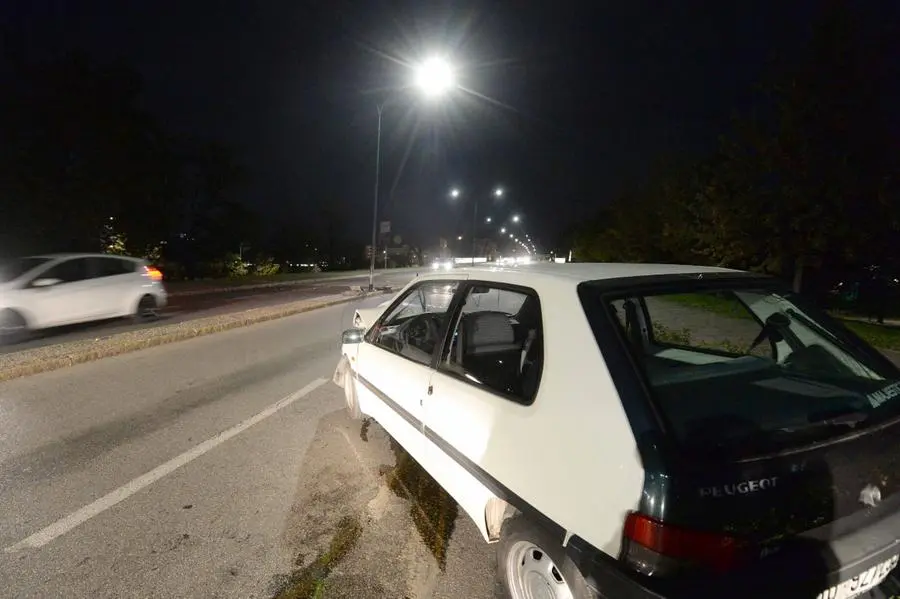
point(746, 369)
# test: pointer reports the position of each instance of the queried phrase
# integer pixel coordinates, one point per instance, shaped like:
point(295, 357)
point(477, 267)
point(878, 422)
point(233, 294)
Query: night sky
point(583, 97)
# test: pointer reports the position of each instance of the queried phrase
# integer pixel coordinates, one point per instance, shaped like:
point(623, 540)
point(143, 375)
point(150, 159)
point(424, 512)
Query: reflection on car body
point(643, 430)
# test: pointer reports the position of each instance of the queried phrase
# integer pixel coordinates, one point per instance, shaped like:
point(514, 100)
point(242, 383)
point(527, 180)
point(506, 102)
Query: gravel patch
point(53, 357)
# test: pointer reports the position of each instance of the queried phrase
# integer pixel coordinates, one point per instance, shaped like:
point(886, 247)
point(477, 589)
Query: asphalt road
point(222, 466)
point(199, 305)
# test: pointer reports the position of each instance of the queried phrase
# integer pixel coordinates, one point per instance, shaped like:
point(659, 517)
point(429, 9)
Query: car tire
point(146, 309)
point(350, 395)
point(532, 563)
point(13, 327)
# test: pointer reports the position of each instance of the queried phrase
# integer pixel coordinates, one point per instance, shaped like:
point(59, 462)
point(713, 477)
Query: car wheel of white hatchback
point(146, 309)
point(533, 565)
point(13, 327)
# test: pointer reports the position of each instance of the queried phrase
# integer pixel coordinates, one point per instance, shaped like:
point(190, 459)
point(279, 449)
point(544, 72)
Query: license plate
point(858, 585)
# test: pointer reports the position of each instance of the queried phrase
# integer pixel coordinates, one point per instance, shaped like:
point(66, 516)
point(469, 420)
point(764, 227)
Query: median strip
point(54, 357)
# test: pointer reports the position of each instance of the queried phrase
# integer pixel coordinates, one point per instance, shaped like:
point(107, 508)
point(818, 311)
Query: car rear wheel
point(531, 564)
point(13, 327)
point(146, 309)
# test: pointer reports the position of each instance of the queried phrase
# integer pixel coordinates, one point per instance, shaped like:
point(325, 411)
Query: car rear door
point(113, 285)
point(395, 361)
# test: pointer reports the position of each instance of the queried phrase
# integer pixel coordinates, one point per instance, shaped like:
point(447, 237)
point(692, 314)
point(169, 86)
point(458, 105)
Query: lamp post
point(434, 77)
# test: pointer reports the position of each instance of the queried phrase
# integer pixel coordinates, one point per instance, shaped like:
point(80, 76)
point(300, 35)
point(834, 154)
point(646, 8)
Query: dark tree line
point(84, 168)
point(805, 185)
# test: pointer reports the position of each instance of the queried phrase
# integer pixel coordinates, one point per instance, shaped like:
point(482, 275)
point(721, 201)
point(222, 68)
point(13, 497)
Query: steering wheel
point(419, 330)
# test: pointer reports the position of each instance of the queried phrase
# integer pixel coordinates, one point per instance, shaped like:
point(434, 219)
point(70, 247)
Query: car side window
point(111, 267)
point(70, 271)
point(497, 341)
point(414, 327)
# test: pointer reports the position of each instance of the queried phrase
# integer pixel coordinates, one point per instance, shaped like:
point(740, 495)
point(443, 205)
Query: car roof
point(86, 255)
point(571, 274)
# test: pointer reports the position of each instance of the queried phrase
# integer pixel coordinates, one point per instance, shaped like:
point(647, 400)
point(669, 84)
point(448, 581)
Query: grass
point(67, 355)
point(880, 336)
point(309, 582)
point(710, 303)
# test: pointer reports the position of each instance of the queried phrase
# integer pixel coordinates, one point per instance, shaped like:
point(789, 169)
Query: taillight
point(655, 548)
point(153, 273)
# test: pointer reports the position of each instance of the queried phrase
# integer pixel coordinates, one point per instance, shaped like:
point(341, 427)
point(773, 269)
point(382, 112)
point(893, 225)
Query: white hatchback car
point(39, 292)
point(643, 430)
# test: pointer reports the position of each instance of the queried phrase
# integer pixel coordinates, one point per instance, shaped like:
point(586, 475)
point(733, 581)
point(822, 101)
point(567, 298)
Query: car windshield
point(13, 269)
point(748, 368)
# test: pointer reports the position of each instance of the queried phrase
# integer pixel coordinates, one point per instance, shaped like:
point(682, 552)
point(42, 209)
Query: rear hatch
point(775, 461)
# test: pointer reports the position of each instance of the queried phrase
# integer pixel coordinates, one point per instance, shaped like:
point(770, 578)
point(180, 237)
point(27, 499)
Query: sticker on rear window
point(877, 398)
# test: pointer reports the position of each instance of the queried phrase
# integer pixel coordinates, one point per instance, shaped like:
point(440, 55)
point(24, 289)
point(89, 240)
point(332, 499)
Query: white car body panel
point(570, 455)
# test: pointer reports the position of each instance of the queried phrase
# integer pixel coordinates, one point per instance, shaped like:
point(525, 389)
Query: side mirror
point(45, 282)
point(352, 336)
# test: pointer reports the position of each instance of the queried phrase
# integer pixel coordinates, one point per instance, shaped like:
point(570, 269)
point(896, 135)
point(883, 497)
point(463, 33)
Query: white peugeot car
point(643, 430)
point(39, 292)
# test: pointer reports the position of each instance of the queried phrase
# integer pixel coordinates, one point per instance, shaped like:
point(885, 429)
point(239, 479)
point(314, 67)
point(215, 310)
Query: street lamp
point(503, 229)
point(455, 193)
point(515, 218)
point(434, 77)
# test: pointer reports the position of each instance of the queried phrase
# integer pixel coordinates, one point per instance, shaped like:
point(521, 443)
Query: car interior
point(499, 350)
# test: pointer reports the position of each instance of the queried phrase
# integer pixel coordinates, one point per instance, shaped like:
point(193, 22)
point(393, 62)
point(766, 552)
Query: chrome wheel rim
point(533, 575)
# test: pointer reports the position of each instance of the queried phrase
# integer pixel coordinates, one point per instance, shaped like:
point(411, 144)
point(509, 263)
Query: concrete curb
point(55, 357)
point(252, 286)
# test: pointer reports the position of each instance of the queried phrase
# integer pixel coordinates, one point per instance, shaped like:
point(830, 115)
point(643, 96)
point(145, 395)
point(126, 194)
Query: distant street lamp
point(515, 218)
point(434, 77)
point(503, 229)
point(455, 193)
point(459, 238)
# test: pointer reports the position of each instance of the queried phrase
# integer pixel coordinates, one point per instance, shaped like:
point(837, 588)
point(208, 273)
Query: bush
point(266, 267)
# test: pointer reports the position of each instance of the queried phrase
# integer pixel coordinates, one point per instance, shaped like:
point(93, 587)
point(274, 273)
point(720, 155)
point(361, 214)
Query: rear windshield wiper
point(849, 419)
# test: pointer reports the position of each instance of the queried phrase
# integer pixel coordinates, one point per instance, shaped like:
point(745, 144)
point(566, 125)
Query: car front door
point(67, 300)
point(395, 361)
point(481, 392)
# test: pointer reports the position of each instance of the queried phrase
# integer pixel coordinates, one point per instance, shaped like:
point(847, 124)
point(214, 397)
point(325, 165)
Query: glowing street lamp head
point(498, 193)
point(454, 193)
point(459, 238)
point(435, 77)
point(503, 229)
point(515, 218)
point(487, 220)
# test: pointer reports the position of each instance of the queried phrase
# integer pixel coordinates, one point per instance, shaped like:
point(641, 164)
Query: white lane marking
point(64, 525)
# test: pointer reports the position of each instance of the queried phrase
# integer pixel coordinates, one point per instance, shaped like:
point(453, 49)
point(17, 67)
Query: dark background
point(574, 102)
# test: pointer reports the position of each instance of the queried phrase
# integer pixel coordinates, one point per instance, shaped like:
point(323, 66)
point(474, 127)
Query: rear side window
point(497, 341)
point(747, 369)
point(111, 267)
point(69, 271)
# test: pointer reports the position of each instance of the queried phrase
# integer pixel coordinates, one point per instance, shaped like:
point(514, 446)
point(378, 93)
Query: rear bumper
point(804, 568)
